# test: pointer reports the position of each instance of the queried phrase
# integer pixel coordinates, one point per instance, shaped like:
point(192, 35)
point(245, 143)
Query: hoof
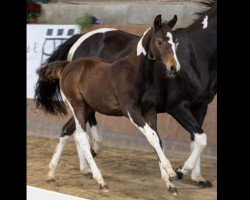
point(178, 173)
point(94, 154)
point(88, 174)
point(51, 180)
point(205, 184)
point(174, 180)
point(104, 188)
point(173, 191)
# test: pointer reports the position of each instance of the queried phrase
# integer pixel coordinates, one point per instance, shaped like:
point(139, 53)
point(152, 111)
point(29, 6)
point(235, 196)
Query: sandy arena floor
point(129, 174)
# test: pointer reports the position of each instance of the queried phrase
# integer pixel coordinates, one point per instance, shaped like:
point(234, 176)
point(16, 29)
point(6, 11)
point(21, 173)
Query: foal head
point(163, 45)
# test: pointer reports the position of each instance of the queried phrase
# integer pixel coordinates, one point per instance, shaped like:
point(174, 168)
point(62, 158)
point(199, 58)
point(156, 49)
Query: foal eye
point(159, 42)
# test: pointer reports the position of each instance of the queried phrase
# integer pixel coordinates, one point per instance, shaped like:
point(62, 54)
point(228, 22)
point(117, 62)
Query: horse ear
point(173, 21)
point(157, 22)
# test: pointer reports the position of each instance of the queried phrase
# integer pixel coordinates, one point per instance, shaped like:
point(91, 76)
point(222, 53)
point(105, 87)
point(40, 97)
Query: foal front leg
point(151, 118)
point(151, 135)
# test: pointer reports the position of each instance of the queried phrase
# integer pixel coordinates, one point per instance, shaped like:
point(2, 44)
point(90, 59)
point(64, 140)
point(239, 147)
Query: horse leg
point(79, 107)
point(133, 113)
point(56, 157)
point(185, 117)
point(151, 118)
point(199, 113)
point(96, 136)
point(69, 129)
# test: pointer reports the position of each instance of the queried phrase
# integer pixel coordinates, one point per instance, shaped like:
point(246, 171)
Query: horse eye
point(159, 42)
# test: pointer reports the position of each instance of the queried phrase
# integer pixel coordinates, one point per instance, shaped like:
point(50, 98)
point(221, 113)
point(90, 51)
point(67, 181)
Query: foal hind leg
point(151, 118)
point(135, 117)
point(69, 129)
point(79, 108)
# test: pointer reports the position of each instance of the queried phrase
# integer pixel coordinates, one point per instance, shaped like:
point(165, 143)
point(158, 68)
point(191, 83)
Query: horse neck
point(139, 55)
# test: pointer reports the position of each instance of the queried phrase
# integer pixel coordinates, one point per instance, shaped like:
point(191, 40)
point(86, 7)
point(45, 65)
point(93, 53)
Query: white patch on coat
point(174, 47)
point(140, 48)
point(84, 37)
point(205, 22)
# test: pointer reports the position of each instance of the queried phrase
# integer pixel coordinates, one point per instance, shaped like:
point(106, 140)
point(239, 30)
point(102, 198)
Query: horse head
point(163, 45)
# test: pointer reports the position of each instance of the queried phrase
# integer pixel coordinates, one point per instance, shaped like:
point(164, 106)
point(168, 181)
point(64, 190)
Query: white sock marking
point(196, 172)
point(82, 138)
point(140, 48)
point(200, 142)
point(82, 160)
point(174, 47)
point(57, 154)
point(205, 22)
point(84, 37)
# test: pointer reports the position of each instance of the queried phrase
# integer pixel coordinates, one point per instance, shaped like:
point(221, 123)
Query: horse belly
point(104, 103)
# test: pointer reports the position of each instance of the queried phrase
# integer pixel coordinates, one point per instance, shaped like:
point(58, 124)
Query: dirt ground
point(129, 174)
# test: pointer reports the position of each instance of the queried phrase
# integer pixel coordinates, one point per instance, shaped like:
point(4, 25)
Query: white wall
point(41, 42)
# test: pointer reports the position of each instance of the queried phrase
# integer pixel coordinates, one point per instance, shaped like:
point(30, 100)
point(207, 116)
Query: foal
point(91, 84)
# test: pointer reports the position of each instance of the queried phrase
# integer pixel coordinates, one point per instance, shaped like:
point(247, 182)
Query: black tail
point(47, 93)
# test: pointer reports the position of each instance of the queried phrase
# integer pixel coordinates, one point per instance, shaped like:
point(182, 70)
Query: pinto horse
point(195, 86)
point(92, 84)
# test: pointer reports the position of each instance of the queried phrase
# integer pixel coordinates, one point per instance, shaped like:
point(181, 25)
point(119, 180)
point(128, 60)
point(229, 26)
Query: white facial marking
point(84, 37)
point(170, 41)
point(140, 48)
point(205, 22)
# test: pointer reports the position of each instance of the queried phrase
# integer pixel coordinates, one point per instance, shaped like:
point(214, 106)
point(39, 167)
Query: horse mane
point(211, 7)
point(211, 4)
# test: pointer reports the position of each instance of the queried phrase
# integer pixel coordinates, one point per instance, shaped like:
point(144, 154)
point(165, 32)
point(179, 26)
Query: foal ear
point(157, 22)
point(173, 21)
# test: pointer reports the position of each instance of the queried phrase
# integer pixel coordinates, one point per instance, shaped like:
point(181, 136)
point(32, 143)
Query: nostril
point(172, 69)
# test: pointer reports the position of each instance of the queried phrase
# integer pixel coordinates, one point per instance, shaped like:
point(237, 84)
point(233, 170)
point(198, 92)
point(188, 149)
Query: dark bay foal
point(116, 89)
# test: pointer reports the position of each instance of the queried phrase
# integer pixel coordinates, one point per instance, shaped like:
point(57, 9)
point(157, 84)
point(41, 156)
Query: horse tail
point(50, 98)
point(52, 71)
point(47, 92)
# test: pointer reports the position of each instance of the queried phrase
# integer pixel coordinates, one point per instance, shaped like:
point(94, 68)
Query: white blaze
point(170, 41)
point(84, 37)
